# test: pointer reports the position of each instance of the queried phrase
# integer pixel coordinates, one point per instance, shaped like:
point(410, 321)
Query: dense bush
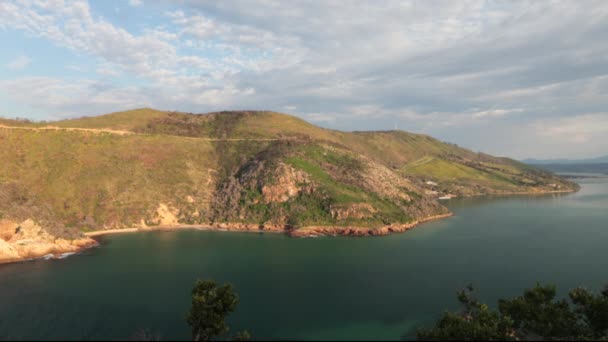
point(536, 315)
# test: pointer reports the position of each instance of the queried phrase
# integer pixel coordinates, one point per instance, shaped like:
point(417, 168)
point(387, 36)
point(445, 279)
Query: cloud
point(465, 71)
point(71, 25)
point(493, 113)
point(150, 56)
point(591, 128)
point(68, 98)
point(62, 99)
point(135, 3)
point(19, 63)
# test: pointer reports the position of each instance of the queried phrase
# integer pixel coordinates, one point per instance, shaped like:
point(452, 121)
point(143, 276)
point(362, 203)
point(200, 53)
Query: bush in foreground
point(536, 315)
point(211, 304)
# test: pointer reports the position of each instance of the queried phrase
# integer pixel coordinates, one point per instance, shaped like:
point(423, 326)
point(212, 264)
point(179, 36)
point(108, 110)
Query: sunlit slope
point(461, 170)
point(89, 180)
point(146, 167)
point(125, 120)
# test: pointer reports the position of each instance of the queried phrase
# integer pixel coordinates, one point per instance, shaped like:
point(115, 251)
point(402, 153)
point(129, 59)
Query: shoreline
point(316, 231)
point(308, 231)
point(530, 193)
point(91, 239)
point(312, 230)
point(304, 232)
point(60, 249)
point(232, 227)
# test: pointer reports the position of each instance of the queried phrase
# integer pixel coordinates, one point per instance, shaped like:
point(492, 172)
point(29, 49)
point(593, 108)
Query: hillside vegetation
point(146, 168)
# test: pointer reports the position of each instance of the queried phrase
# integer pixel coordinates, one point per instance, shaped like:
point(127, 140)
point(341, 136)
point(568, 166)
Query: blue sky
point(513, 78)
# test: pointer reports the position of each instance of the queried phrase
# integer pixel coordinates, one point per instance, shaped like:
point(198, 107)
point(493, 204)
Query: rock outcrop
point(288, 183)
point(354, 210)
point(27, 240)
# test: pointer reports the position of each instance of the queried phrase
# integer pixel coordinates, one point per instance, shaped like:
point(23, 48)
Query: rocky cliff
point(27, 240)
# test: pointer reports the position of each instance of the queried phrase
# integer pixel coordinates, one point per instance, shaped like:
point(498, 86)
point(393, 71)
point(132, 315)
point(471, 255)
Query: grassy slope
point(89, 180)
point(86, 180)
point(314, 160)
point(459, 169)
point(126, 120)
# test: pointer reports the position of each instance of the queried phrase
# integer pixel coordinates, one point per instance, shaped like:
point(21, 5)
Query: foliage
point(211, 304)
point(96, 180)
point(536, 315)
point(475, 323)
point(593, 309)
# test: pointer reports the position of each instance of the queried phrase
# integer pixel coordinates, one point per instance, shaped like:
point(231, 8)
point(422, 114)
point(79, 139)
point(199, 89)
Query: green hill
point(263, 169)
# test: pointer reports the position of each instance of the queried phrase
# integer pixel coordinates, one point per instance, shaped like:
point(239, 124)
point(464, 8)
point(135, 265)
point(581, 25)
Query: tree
point(475, 323)
point(210, 307)
point(535, 315)
point(593, 310)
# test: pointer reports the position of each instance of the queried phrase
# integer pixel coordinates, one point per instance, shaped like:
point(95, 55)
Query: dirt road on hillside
point(121, 132)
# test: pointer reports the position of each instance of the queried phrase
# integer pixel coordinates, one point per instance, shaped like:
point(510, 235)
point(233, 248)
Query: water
point(322, 288)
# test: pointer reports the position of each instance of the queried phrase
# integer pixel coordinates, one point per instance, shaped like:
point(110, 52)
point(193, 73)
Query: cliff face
point(230, 170)
point(27, 240)
point(309, 183)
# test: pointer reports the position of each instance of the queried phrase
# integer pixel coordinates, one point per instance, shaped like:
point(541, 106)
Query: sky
point(523, 79)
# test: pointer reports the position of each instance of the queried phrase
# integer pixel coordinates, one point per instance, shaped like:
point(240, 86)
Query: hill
point(246, 170)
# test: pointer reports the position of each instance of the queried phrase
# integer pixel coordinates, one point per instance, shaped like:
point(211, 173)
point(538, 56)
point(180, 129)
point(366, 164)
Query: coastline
point(58, 249)
point(62, 248)
point(315, 231)
point(525, 193)
point(308, 231)
point(240, 227)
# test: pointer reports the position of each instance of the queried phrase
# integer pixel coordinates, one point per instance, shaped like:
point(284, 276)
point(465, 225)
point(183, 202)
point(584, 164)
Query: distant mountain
point(601, 168)
point(599, 160)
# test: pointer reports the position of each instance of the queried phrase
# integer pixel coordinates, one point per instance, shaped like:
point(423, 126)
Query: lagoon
point(314, 288)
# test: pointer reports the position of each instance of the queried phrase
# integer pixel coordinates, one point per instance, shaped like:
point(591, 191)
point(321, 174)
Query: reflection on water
point(323, 288)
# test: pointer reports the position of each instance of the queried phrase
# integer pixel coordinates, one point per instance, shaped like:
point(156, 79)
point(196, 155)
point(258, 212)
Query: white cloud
point(150, 55)
point(448, 68)
point(65, 98)
point(107, 69)
point(578, 129)
point(76, 68)
point(492, 113)
point(321, 117)
point(19, 63)
point(136, 3)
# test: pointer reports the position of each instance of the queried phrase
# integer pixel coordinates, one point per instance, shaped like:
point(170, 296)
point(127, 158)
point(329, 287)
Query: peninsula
point(64, 182)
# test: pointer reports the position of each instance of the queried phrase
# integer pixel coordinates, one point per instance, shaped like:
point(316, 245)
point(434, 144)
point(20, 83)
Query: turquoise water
point(322, 288)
